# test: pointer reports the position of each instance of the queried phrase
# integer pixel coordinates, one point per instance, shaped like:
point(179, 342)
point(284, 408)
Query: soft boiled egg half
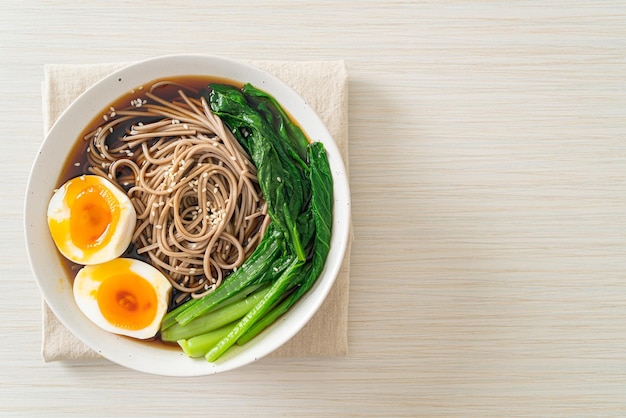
point(123, 296)
point(91, 220)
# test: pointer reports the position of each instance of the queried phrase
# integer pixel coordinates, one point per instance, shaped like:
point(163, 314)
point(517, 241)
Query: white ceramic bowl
point(46, 262)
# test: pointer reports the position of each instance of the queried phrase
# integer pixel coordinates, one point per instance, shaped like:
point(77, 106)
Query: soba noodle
point(199, 207)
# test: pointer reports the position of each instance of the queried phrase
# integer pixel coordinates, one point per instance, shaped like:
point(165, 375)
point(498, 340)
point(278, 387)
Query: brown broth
point(76, 163)
point(78, 155)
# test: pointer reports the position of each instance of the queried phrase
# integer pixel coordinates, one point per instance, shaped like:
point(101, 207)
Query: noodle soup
point(62, 155)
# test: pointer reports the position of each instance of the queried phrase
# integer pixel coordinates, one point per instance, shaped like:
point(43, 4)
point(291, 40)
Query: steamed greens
point(295, 178)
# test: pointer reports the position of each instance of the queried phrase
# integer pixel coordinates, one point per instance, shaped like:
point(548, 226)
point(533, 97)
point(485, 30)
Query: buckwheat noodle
point(200, 211)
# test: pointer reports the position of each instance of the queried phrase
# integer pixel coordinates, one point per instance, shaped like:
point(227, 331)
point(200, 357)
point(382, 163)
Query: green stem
point(170, 318)
point(199, 345)
point(264, 322)
point(276, 291)
point(215, 319)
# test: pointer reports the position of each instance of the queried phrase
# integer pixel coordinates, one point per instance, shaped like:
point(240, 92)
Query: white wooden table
point(488, 172)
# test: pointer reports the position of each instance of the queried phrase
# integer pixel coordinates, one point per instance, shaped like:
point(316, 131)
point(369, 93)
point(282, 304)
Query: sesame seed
point(76, 164)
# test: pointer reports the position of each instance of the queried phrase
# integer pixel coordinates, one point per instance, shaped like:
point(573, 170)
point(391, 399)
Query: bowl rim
point(95, 99)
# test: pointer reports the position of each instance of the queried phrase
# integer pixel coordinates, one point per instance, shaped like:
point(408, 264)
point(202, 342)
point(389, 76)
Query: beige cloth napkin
point(324, 84)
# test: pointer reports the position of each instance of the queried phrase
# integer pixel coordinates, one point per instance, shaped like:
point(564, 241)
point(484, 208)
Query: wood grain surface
point(488, 175)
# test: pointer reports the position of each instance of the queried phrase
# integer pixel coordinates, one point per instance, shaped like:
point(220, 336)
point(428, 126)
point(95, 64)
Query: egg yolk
point(127, 301)
point(91, 215)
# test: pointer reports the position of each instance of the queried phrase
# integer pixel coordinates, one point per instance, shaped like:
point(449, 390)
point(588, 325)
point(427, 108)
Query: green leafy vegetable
point(296, 181)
